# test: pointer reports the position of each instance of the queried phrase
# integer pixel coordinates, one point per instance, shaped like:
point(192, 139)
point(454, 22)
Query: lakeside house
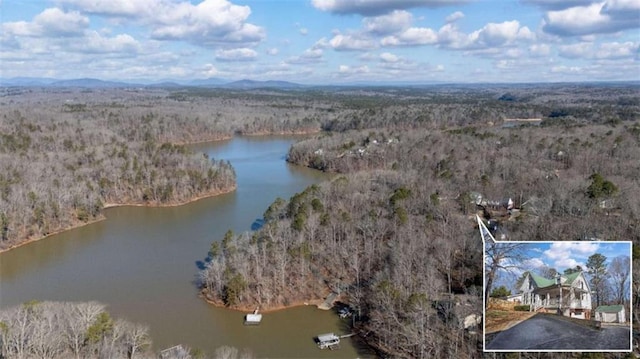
point(568, 295)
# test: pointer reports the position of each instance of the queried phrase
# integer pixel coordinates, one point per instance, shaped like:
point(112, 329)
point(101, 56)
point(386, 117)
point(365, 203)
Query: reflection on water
point(143, 262)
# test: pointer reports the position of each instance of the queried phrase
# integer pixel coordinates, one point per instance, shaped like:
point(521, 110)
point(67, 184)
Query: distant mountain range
point(271, 84)
point(96, 83)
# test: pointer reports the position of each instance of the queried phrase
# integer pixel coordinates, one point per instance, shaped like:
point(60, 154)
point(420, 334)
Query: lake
point(143, 262)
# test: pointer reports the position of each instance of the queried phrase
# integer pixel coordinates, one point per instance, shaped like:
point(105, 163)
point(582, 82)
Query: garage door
point(609, 317)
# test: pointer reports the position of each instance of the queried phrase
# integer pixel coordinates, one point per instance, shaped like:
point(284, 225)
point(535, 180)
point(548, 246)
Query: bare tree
point(619, 271)
point(501, 256)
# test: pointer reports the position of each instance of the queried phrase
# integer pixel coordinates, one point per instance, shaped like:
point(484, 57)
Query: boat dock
point(330, 340)
point(253, 319)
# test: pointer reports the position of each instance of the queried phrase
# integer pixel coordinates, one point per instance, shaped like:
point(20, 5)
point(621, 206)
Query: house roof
point(571, 277)
point(609, 308)
point(542, 282)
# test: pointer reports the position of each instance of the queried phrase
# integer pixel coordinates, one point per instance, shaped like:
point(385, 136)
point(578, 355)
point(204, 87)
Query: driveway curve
point(544, 332)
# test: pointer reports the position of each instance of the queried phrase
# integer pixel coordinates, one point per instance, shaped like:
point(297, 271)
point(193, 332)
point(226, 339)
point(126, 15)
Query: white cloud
point(513, 53)
point(616, 50)
point(492, 35)
point(303, 31)
point(611, 50)
point(389, 57)
point(95, 43)
point(451, 37)
point(539, 50)
point(272, 51)
point(567, 263)
point(208, 23)
point(569, 254)
point(309, 56)
point(404, 66)
point(312, 53)
point(499, 34)
point(377, 7)
point(566, 69)
point(351, 43)
point(558, 4)
point(622, 9)
point(52, 22)
point(242, 54)
point(208, 70)
point(533, 263)
point(411, 37)
point(350, 70)
point(120, 8)
point(597, 18)
point(576, 51)
point(454, 17)
point(396, 21)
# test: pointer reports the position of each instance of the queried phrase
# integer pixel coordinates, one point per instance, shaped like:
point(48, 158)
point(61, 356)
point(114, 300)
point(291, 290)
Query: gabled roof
point(542, 282)
point(609, 308)
point(571, 277)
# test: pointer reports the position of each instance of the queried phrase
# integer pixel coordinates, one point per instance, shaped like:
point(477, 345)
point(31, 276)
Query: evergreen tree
point(500, 292)
point(598, 271)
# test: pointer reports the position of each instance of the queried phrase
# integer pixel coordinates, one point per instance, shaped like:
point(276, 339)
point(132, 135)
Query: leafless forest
point(393, 233)
point(65, 154)
point(70, 330)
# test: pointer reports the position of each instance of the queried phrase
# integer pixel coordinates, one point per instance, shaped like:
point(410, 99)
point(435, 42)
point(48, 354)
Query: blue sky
point(560, 256)
point(563, 255)
point(323, 41)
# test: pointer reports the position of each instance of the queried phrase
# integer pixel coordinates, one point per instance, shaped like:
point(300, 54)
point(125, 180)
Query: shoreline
point(138, 204)
point(102, 217)
point(35, 239)
point(281, 133)
point(173, 204)
point(250, 309)
point(187, 143)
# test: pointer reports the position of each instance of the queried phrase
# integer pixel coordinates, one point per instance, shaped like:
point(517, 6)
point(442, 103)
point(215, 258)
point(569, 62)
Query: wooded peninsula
point(394, 233)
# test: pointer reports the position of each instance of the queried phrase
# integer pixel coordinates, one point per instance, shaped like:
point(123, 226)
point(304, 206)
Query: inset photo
point(557, 296)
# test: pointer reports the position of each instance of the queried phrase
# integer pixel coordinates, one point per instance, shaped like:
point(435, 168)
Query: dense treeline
point(52, 330)
point(61, 166)
point(68, 152)
point(395, 234)
point(555, 173)
point(69, 330)
point(65, 154)
point(373, 237)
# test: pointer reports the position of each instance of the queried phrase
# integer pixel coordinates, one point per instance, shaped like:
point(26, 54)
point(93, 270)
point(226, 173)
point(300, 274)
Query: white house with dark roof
point(567, 294)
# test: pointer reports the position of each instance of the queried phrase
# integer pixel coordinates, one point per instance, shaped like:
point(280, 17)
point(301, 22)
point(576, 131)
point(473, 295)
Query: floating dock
point(328, 340)
point(253, 319)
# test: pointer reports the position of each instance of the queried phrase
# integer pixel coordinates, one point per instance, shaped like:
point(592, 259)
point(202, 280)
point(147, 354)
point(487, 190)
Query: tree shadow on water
point(257, 224)
point(202, 263)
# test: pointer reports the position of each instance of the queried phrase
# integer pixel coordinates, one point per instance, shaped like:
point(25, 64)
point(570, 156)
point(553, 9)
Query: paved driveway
point(547, 332)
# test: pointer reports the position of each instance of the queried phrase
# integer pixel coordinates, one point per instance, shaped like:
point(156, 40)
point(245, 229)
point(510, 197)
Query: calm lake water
point(142, 262)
